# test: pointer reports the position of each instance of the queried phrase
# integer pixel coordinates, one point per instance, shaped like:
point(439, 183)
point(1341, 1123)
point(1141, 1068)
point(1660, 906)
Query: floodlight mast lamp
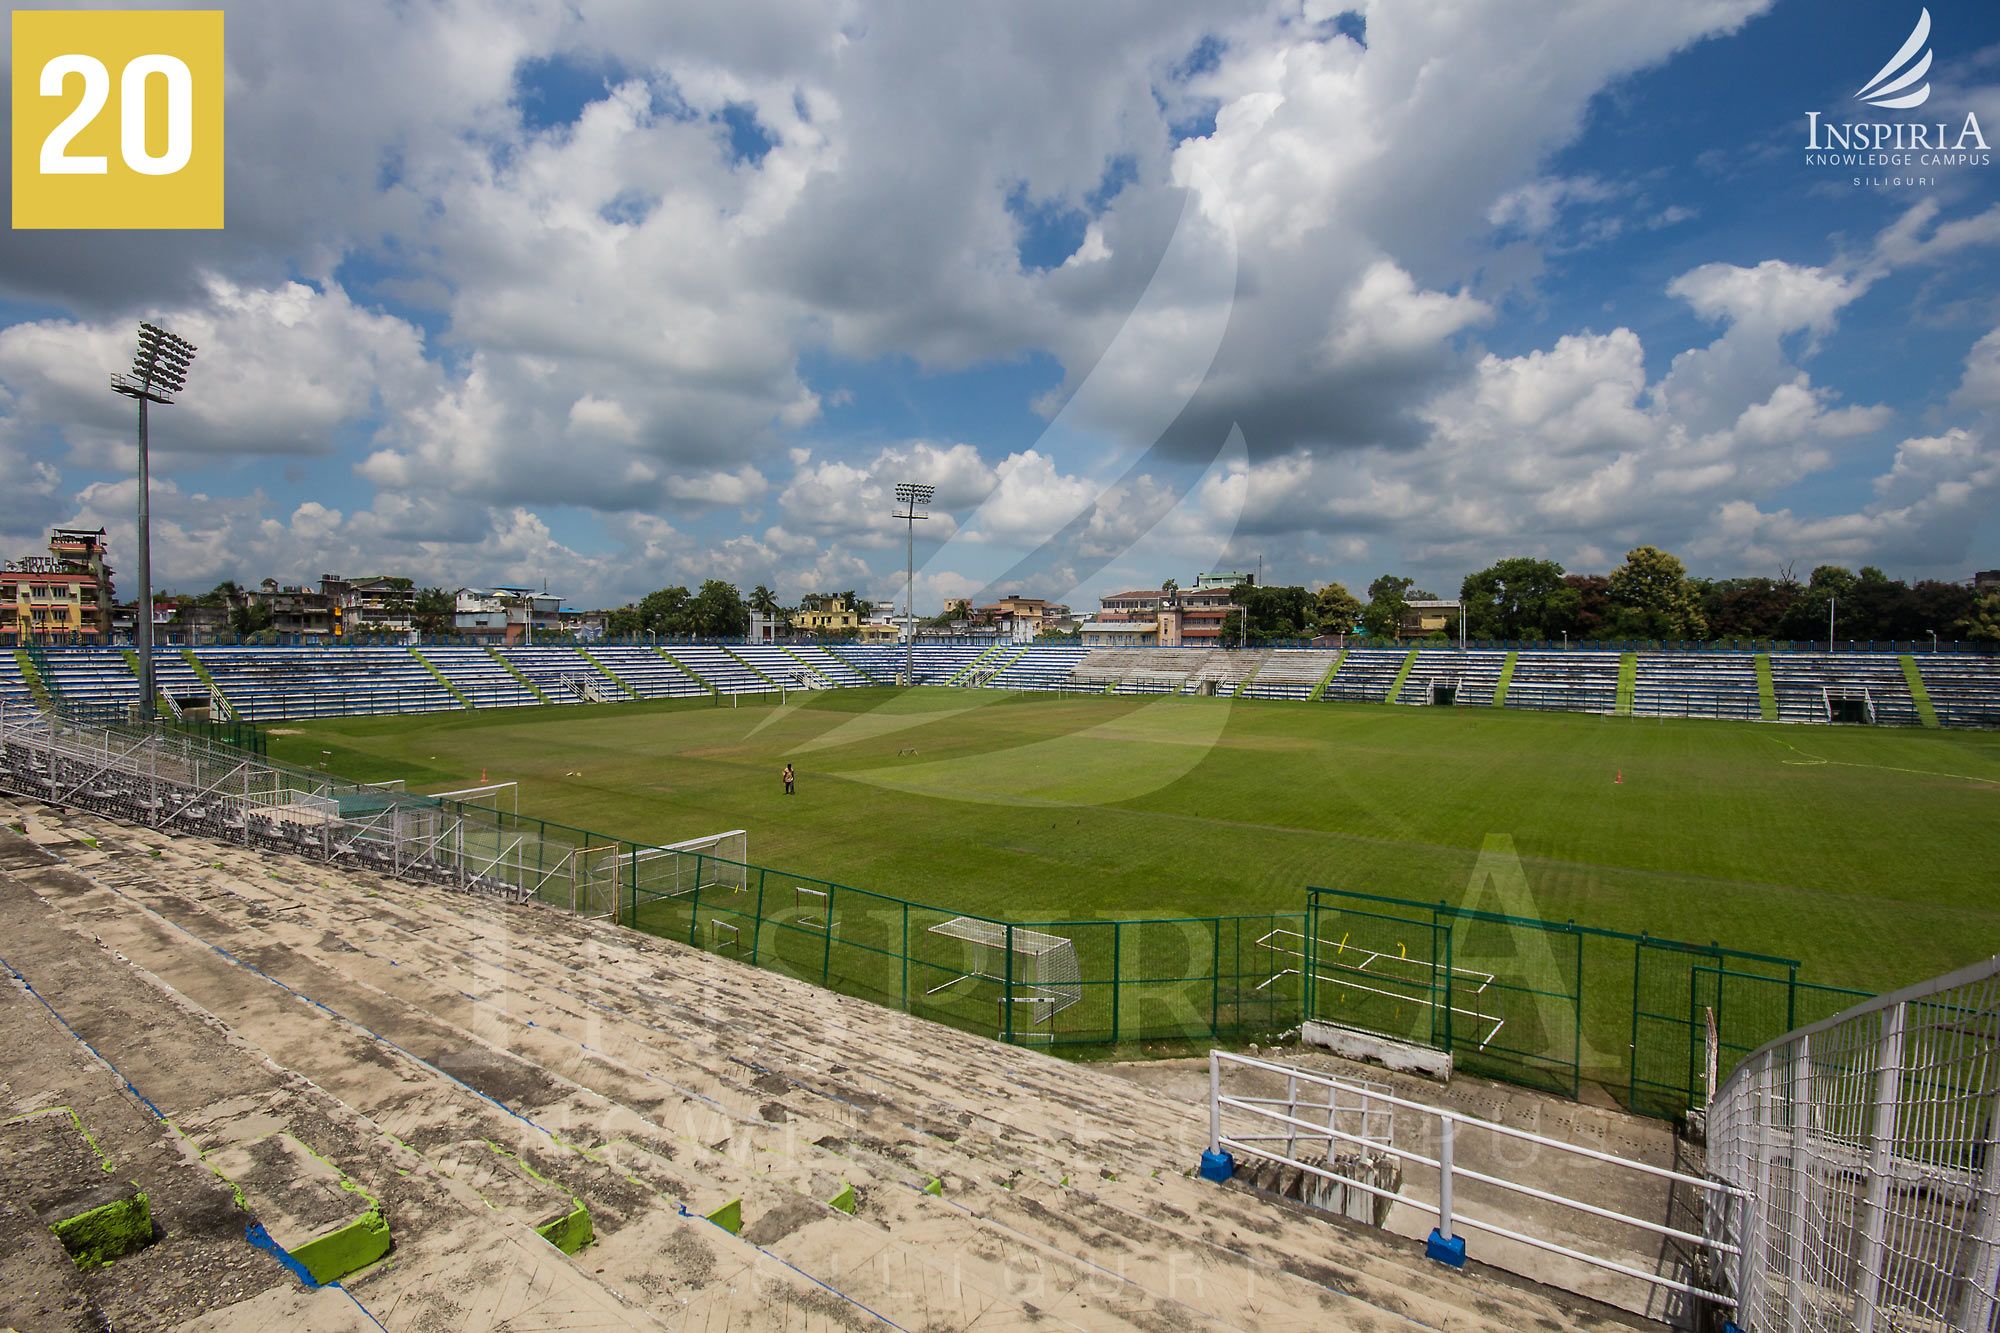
point(159, 371)
point(911, 495)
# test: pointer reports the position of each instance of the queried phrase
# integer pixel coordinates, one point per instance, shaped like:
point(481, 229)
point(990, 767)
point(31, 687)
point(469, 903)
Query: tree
point(1388, 599)
point(1747, 608)
point(1335, 610)
point(1170, 592)
point(433, 611)
point(717, 611)
point(665, 612)
point(1654, 598)
point(624, 623)
point(763, 601)
point(1981, 622)
point(1518, 598)
point(1593, 606)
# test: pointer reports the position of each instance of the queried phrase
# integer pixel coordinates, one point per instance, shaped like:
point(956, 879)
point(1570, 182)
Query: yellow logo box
point(118, 119)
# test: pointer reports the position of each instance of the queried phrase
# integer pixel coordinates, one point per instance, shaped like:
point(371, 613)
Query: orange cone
point(1619, 781)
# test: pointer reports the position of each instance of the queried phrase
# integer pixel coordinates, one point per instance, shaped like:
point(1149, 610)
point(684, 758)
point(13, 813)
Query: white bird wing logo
point(1891, 86)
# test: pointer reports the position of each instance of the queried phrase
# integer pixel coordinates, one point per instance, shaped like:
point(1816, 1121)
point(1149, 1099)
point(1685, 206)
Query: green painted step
point(686, 670)
point(201, 672)
point(1506, 679)
point(965, 673)
point(442, 679)
point(308, 1207)
point(160, 703)
point(1401, 676)
point(804, 665)
point(851, 664)
point(1767, 694)
point(743, 662)
point(69, 1183)
point(1919, 694)
point(616, 679)
point(1245, 683)
point(36, 685)
point(517, 674)
point(1319, 690)
point(1628, 683)
point(1002, 666)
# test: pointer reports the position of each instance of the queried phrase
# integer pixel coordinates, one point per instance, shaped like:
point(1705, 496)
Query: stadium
point(1156, 666)
point(928, 1039)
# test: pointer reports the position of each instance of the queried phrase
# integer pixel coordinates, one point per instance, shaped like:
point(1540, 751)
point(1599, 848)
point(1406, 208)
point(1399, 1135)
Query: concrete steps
point(1019, 1188)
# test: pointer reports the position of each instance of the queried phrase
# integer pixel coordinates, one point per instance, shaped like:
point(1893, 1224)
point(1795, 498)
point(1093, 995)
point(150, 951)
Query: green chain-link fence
point(1547, 1004)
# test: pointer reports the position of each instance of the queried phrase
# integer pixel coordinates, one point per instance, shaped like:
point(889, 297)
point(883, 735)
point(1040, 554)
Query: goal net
point(1042, 976)
point(715, 861)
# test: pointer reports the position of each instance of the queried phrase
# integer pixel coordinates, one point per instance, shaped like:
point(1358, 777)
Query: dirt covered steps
point(213, 1078)
point(1001, 1055)
point(897, 1271)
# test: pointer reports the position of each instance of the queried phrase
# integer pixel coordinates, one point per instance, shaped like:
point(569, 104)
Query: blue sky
point(623, 296)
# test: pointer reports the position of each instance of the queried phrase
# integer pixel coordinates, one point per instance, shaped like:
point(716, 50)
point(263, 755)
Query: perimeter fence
point(1550, 1004)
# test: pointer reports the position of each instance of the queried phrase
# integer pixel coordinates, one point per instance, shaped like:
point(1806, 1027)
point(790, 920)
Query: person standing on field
point(790, 778)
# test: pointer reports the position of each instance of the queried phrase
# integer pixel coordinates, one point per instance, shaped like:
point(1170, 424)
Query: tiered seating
point(934, 664)
point(659, 1085)
point(1575, 682)
point(776, 663)
point(1964, 690)
point(1436, 667)
point(91, 679)
point(1224, 670)
point(650, 675)
point(1045, 668)
point(13, 685)
point(267, 683)
point(1366, 675)
point(1802, 682)
point(479, 678)
point(830, 667)
point(1481, 679)
point(719, 669)
point(554, 669)
point(1290, 673)
point(1696, 685)
point(175, 678)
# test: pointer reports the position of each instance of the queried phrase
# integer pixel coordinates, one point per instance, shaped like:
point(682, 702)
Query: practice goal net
point(1039, 981)
point(714, 861)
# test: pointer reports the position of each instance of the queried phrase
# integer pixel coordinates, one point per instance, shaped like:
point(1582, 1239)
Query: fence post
point(1117, 974)
point(826, 944)
point(1888, 1089)
point(1216, 1165)
point(1983, 1270)
point(906, 955)
point(1442, 1245)
point(757, 922)
point(1215, 977)
point(1007, 992)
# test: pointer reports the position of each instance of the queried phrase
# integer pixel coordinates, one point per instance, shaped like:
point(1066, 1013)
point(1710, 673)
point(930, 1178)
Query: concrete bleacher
point(648, 674)
point(779, 665)
point(1964, 691)
point(1366, 675)
point(1480, 680)
point(474, 673)
point(828, 667)
point(91, 679)
point(1803, 683)
point(1447, 669)
point(1039, 668)
point(271, 683)
point(934, 663)
point(1574, 682)
point(980, 1185)
point(14, 688)
point(556, 672)
point(1696, 685)
point(719, 669)
point(1290, 673)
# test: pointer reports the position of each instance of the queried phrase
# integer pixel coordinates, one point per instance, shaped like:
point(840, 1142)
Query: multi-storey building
point(62, 597)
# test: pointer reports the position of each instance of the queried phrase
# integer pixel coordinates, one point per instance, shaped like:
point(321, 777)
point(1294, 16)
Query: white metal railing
point(1227, 1113)
point(1869, 1148)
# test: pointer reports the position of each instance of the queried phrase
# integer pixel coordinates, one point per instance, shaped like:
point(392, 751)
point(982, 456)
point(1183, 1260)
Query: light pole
point(159, 371)
point(911, 495)
point(1933, 640)
point(1831, 603)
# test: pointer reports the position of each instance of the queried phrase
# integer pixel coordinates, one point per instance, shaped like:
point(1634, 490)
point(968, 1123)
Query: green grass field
point(1869, 854)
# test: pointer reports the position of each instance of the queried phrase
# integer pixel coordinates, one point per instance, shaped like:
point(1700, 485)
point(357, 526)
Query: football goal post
point(714, 861)
point(1039, 981)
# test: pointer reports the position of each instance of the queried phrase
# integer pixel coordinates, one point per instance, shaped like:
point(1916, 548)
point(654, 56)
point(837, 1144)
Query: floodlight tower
point(911, 495)
point(159, 371)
